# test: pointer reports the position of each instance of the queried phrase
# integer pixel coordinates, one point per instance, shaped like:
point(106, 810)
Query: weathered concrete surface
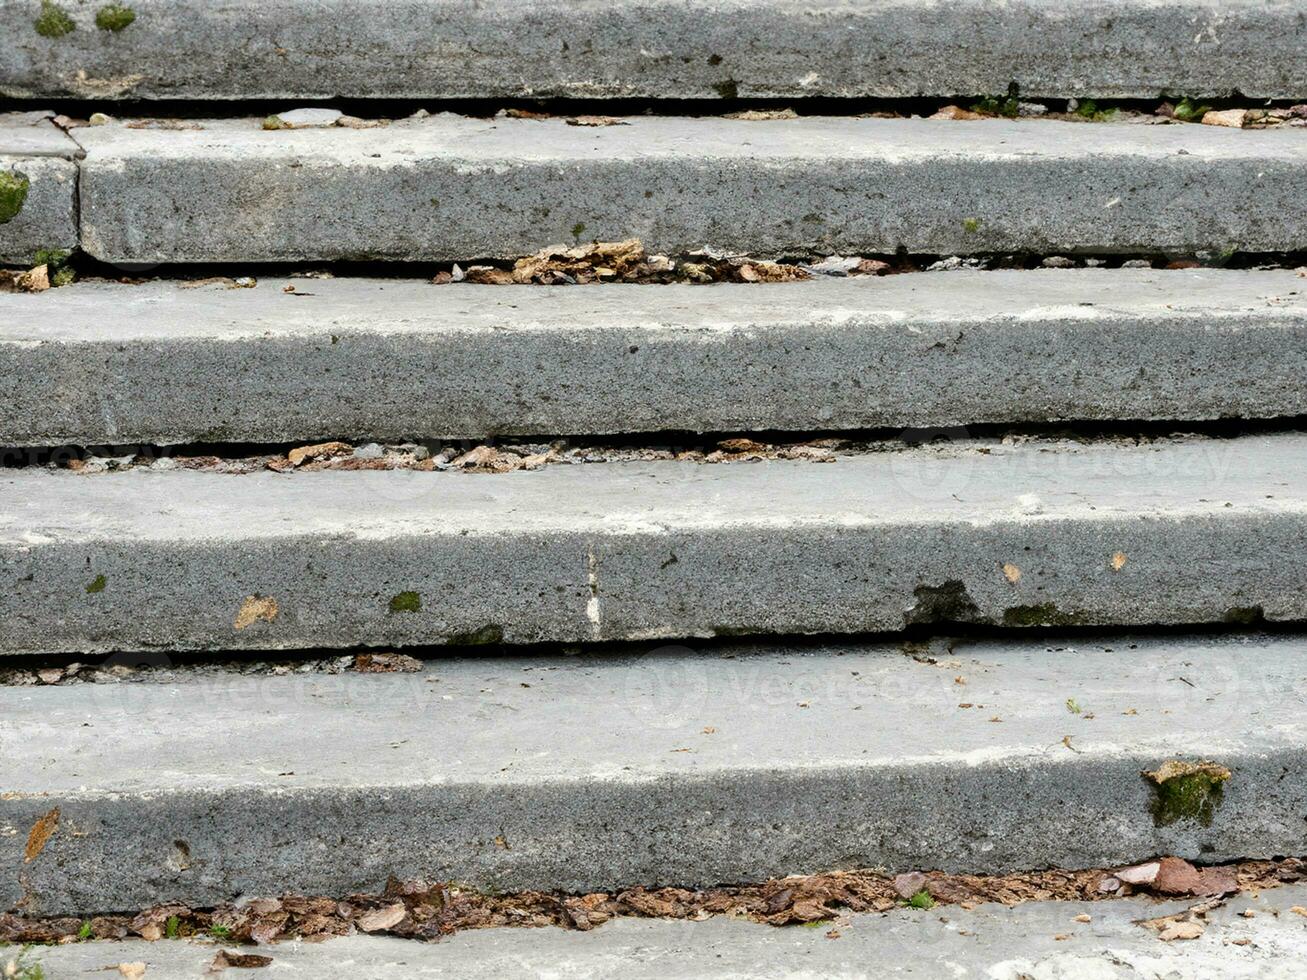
point(453, 187)
point(36, 165)
point(98, 363)
point(1184, 531)
point(672, 767)
point(659, 49)
point(1038, 940)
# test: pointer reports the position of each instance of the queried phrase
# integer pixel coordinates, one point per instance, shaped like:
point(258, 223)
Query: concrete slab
point(457, 188)
point(38, 186)
point(1039, 939)
point(658, 49)
point(104, 364)
point(649, 766)
point(1188, 531)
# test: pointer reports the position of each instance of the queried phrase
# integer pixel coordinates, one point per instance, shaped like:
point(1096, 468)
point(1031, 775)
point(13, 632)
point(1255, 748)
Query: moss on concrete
point(13, 193)
point(1187, 791)
point(56, 262)
point(114, 17)
point(53, 21)
point(409, 602)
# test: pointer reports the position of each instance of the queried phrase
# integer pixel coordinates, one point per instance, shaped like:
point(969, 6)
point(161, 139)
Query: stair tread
point(690, 767)
point(660, 50)
point(401, 358)
point(1172, 531)
point(453, 188)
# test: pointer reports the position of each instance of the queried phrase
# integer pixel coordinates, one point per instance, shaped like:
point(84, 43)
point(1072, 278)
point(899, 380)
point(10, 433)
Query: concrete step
point(38, 186)
point(1037, 533)
point(1252, 937)
point(453, 188)
point(102, 364)
point(672, 766)
point(659, 49)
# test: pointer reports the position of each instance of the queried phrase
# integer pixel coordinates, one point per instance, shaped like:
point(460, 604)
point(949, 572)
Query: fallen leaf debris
point(426, 910)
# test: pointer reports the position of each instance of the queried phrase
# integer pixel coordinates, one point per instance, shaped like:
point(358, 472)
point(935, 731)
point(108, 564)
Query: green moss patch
point(921, 900)
point(13, 193)
point(53, 21)
point(1187, 791)
point(115, 17)
point(97, 585)
point(406, 602)
point(56, 265)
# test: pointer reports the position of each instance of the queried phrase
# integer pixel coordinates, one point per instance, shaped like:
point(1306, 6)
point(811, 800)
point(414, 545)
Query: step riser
point(450, 188)
point(161, 365)
point(586, 836)
point(522, 588)
point(303, 49)
point(1200, 532)
point(48, 218)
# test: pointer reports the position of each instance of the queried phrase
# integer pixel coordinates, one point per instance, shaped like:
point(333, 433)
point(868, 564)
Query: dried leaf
point(956, 112)
point(1175, 876)
point(1231, 118)
point(871, 267)
point(386, 663)
point(488, 275)
point(754, 115)
point(382, 918)
point(40, 835)
point(1139, 874)
point(227, 958)
point(771, 272)
point(1181, 930)
point(132, 971)
point(321, 450)
point(596, 121)
point(253, 609)
point(909, 884)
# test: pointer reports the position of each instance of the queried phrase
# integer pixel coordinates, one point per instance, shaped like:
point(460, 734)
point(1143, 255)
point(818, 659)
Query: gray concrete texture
point(1253, 937)
point(455, 188)
point(103, 364)
point(38, 187)
point(1059, 533)
point(653, 766)
point(658, 49)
